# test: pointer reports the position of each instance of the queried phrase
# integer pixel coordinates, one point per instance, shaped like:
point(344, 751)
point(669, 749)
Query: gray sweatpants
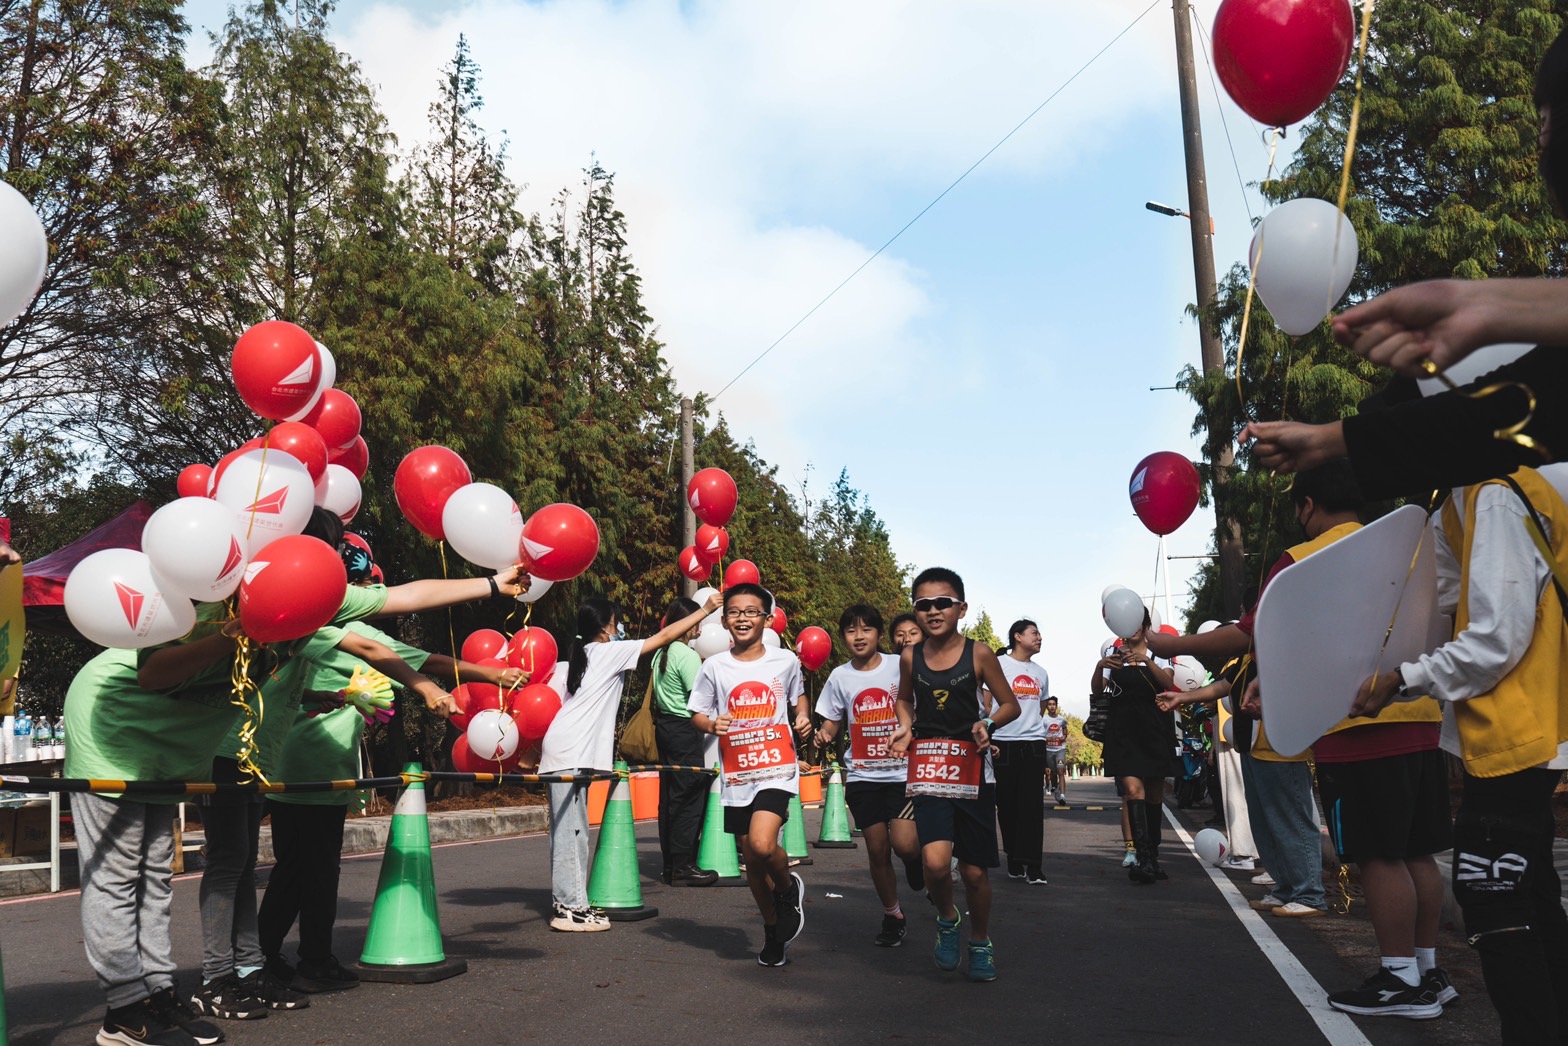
point(229, 937)
point(569, 864)
point(126, 853)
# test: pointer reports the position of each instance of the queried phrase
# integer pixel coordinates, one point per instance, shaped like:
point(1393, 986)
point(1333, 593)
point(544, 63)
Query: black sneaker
point(1015, 869)
point(328, 975)
point(772, 953)
point(140, 1023)
point(272, 992)
point(790, 904)
point(1034, 876)
point(228, 999)
point(1384, 994)
point(691, 875)
point(176, 1012)
point(1436, 981)
point(892, 934)
point(915, 874)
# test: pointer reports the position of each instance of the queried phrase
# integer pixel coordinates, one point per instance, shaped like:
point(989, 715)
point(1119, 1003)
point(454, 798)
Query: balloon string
point(1388, 633)
point(1350, 147)
point(239, 676)
point(451, 629)
point(1509, 433)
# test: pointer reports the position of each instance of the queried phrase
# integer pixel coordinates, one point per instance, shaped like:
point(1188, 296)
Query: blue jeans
point(569, 858)
point(1285, 827)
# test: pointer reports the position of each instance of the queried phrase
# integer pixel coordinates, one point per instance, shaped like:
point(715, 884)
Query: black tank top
point(947, 702)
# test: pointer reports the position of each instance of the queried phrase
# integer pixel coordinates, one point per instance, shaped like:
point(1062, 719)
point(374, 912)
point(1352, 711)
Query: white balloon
point(1208, 626)
point(339, 492)
point(1211, 845)
point(269, 501)
point(1225, 732)
point(711, 641)
point(25, 258)
point(770, 639)
point(1155, 621)
point(1225, 703)
point(326, 377)
point(1482, 361)
point(1299, 275)
point(113, 598)
point(484, 525)
point(492, 735)
point(196, 549)
point(1108, 646)
point(1188, 674)
point(702, 595)
point(1108, 590)
point(537, 586)
point(1123, 611)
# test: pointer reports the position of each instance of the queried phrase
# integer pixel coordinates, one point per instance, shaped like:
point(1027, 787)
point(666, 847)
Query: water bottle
point(22, 739)
point(43, 738)
point(59, 738)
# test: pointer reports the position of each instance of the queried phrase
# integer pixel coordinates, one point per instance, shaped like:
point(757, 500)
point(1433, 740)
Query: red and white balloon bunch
point(712, 496)
point(500, 725)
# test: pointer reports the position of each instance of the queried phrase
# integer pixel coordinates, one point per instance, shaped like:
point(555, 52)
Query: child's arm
point(381, 658)
point(669, 634)
point(432, 594)
point(990, 670)
point(443, 667)
point(905, 705)
point(1170, 700)
point(168, 667)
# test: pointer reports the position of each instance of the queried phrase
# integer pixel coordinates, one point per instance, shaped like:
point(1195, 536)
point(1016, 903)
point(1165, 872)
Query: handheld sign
point(12, 623)
point(1321, 622)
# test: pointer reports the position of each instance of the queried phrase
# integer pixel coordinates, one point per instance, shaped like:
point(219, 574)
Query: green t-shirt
point(326, 747)
point(675, 673)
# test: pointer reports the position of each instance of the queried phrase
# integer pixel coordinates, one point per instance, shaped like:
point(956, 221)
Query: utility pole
point(688, 517)
point(1227, 534)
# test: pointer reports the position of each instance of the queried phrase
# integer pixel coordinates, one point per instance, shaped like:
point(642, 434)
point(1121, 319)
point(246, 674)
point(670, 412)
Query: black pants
point(308, 842)
point(1020, 800)
point(683, 796)
point(1508, 889)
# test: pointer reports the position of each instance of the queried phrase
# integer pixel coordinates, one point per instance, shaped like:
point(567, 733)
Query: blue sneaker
point(982, 962)
point(947, 941)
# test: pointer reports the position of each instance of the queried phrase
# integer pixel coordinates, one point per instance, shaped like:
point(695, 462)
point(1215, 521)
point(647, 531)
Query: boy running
point(744, 696)
point(1056, 749)
point(864, 693)
point(942, 730)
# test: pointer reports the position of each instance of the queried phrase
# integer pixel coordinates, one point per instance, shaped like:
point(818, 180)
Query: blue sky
point(985, 381)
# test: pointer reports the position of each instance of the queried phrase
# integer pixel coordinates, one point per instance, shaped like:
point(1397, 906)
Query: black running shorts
point(1395, 808)
point(969, 824)
point(737, 819)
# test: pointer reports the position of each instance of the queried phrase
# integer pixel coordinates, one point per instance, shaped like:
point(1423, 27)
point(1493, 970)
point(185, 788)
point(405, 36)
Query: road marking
point(1336, 1027)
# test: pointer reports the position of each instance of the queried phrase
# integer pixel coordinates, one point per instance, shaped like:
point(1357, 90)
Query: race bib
point(750, 754)
point(868, 746)
point(942, 767)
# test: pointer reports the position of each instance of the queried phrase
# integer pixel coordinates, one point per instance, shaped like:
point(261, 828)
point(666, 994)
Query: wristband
point(495, 589)
point(990, 725)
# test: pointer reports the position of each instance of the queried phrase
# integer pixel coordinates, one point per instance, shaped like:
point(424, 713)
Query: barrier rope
point(83, 784)
point(635, 768)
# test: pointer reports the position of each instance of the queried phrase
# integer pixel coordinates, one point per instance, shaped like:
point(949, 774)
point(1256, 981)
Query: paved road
point(1088, 958)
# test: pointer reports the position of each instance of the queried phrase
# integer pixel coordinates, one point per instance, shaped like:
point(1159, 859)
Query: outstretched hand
point(1437, 320)
point(1293, 446)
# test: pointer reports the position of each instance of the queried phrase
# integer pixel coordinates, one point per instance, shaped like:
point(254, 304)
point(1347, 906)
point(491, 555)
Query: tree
point(983, 631)
point(1081, 752)
point(1443, 184)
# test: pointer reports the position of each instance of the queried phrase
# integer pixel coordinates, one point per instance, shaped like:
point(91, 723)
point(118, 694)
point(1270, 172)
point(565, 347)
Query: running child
point(943, 730)
point(1056, 749)
point(744, 696)
point(864, 693)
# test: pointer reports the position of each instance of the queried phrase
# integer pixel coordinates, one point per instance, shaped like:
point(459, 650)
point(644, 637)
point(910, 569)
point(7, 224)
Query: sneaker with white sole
point(579, 920)
point(226, 999)
point(139, 1023)
point(1441, 987)
point(177, 1013)
point(1130, 859)
point(1384, 994)
point(1267, 903)
point(1263, 879)
point(790, 904)
point(1238, 864)
point(1297, 910)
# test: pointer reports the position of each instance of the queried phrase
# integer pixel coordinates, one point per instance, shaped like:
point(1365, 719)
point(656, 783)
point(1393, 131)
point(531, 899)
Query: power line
point(967, 172)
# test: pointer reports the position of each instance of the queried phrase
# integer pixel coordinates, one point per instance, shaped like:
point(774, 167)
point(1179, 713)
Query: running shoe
point(1384, 994)
point(893, 929)
point(326, 975)
point(227, 999)
point(772, 953)
point(1436, 980)
point(790, 905)
point(579, 920)
point(982, 962)
point(140, 1023)
point(1130, 858)
point(1297, 910)
point(263, 985)
point(915, 874)
point(1238, 864)
point(177, 1013)
point(1015, 869)
point(947, 942)
point(1267, 903)
point(1034, 876)
point(1263, 879)
point(1061, 800)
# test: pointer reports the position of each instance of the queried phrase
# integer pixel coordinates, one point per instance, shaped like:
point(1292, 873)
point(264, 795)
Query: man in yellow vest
point(1501, 681)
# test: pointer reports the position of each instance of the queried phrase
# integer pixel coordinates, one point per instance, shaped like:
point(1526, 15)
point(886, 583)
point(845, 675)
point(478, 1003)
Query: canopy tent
point(43, 580)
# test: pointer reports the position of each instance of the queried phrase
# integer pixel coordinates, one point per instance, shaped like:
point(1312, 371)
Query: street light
point(1174, 212)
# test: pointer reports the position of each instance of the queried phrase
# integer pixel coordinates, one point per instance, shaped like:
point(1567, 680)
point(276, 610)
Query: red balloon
point(534, 651)
point(712, 543)
point(742, 572)
point(355, 457)
point(293, 587)
point(358, 542)
point(1164, 490)
point(712, 496)
point(464, 761)
point(693, 565)
point(425, 479)
point(193, 481)
point(814, 647)
point(1281, 59)
point(559, 542)
point(376, 575)
point(303, 443)
point(276, 367)
point(486, 642)
point(1169, 630)
point(336, 417)
point(780, 620)
point(533, 708)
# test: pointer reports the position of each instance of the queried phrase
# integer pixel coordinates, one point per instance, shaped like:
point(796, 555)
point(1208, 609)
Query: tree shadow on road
point(725, 942)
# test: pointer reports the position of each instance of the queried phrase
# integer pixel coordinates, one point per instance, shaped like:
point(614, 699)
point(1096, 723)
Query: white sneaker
point(1238, 864)
point(1263, 879)
point(1296, 910)
point(579, 920)
point(1130, 859)
point(1266, 903)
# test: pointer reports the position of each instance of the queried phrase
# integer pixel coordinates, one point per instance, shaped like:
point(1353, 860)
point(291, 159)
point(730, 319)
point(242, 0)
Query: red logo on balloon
point(272, 504)
point(130, 602)
point(235, 558)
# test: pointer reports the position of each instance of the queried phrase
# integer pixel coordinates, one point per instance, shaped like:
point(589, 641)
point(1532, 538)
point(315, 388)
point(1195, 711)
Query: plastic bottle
point(59, 738)
point(43, 738)
point(22, 739)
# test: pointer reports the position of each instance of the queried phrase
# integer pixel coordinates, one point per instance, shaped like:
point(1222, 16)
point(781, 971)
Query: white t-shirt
point(723, 679)
point(1055, 732)
point(867, 698)
point(1031, 686)
point(583, 732)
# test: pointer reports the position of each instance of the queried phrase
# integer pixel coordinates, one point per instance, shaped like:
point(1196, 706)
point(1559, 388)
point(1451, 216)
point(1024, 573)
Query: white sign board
point(1321, 622)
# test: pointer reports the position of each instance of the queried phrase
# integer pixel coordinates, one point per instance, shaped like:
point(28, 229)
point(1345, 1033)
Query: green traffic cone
point(794, 833)
point(403, 941)
point(615, 886)
point(716, 848)
point(835, 814)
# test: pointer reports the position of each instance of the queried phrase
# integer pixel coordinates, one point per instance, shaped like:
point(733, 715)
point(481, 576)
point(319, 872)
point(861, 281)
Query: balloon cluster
point(712, 496)
point(499, 726)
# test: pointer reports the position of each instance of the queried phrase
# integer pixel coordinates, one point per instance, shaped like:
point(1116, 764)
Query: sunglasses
point(938, 603)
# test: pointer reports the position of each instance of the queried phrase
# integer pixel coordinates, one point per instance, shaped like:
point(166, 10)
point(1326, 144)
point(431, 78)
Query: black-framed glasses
point(937, 603)
point(748, 613)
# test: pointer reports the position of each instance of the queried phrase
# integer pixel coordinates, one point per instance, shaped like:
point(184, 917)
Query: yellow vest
point(1520, 723)
point(1424, 710)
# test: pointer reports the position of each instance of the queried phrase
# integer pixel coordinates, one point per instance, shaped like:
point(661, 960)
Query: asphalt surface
point(1088, 958)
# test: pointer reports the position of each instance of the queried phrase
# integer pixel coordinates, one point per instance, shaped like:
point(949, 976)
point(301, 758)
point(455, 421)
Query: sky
point(986, 380)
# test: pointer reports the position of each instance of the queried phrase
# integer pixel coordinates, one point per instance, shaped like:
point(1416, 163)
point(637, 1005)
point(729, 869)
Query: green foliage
point(1081, 752)
point(984, 631)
